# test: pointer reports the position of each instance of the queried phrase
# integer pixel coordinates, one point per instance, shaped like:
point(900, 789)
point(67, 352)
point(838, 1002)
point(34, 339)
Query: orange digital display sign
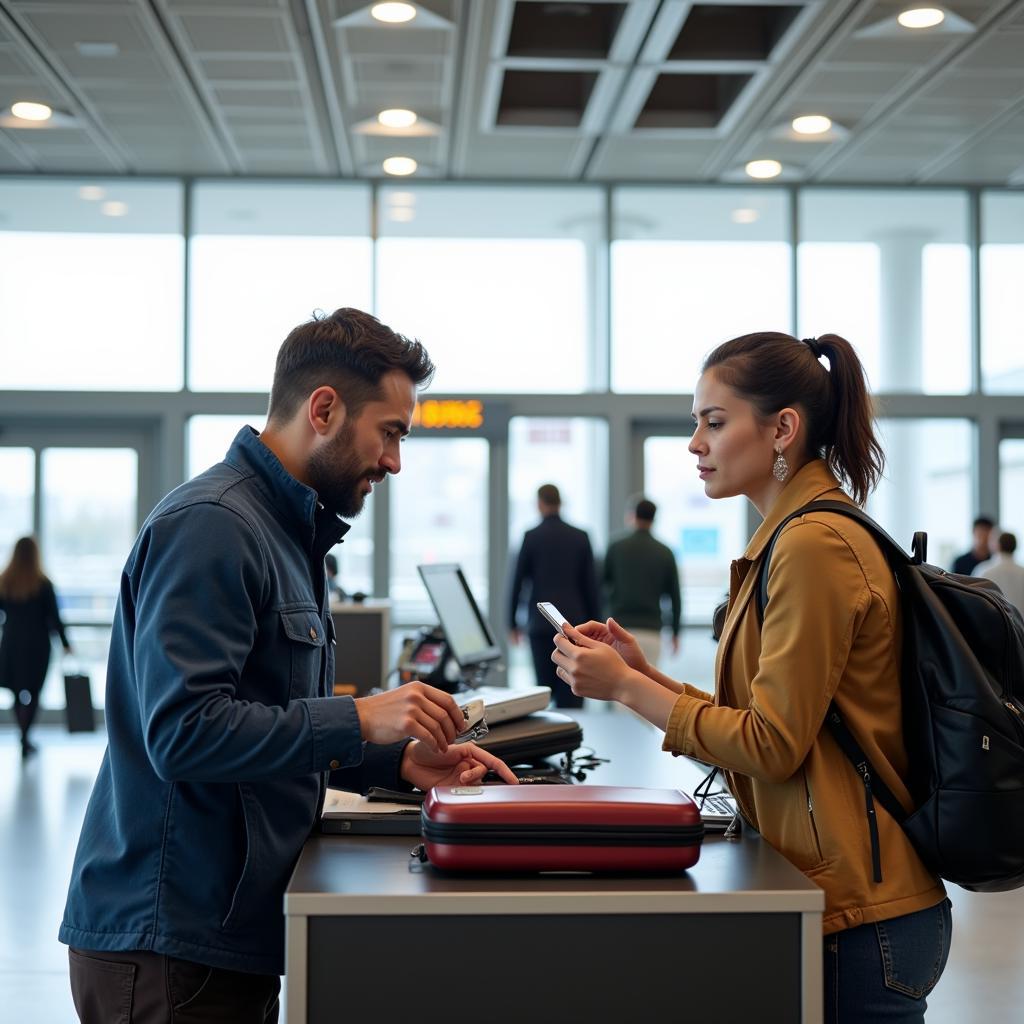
point(449, 414)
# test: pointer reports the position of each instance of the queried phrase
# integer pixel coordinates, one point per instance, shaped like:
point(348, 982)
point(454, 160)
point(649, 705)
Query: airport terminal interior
point(570, 205)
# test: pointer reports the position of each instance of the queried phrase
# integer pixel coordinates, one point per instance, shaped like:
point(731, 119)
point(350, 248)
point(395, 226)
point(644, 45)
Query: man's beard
point(335, 473)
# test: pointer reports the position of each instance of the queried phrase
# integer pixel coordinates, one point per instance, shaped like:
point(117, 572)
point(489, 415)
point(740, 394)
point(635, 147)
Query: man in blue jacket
point(221, 729)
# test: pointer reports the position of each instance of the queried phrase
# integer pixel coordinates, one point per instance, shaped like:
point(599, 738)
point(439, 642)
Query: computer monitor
point(469, 637)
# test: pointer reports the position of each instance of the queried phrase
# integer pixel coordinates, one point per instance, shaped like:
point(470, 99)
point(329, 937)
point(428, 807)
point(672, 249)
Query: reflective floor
point(41, 807)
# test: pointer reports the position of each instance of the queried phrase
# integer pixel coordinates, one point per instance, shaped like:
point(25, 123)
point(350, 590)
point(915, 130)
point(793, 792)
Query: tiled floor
point(41, 808)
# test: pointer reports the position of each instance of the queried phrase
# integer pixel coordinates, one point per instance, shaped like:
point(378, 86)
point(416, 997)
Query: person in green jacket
point(638, 572)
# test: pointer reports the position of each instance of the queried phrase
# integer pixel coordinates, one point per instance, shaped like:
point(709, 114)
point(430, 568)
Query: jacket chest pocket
point(304, 640)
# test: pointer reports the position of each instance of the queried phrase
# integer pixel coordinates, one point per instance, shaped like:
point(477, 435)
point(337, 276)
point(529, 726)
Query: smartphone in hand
point(554, 616)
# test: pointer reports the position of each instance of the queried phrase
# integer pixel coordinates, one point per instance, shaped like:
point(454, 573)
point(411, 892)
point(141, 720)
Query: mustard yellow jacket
point(832, 631)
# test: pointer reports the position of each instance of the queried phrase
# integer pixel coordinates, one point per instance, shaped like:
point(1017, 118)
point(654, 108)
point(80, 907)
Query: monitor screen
point(468, 634)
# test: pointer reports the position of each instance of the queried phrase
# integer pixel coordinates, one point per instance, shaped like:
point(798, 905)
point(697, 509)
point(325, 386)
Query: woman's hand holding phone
point(619, 640)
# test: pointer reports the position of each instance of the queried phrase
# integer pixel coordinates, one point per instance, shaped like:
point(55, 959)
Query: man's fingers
point(494, 762)
point(430, 731)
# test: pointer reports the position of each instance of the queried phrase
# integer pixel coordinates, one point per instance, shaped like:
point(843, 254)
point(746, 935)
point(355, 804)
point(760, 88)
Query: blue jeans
point(884, 971)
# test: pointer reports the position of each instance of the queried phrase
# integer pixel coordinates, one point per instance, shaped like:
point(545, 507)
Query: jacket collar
point(293, 500)
point(811, 482)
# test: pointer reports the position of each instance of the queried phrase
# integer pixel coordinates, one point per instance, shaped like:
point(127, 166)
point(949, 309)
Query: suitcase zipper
point(593, 835)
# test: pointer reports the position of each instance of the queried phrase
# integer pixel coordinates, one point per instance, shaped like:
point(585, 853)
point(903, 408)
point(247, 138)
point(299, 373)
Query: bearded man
point(222, 733)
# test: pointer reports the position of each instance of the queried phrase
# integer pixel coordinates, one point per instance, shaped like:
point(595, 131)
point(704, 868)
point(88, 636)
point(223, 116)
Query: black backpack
point(963, 717)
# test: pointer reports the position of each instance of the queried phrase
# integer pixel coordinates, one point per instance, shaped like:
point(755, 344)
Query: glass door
point(1011, 487)
point(705, 535)
point(439, 513)
point(80, 498)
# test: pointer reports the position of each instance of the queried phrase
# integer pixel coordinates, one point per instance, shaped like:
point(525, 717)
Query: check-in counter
point(737, 938)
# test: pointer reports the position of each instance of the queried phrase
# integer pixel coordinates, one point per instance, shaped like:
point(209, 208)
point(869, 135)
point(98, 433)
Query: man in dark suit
point(556, 564)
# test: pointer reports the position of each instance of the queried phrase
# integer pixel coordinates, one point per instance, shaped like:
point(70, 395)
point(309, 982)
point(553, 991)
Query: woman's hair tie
point(812, 344)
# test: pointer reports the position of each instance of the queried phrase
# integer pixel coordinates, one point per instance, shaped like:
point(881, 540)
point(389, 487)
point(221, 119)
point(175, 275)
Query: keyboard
point(717, 810)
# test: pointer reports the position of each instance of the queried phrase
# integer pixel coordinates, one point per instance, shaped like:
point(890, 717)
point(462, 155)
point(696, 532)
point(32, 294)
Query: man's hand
point(415, 709)
point(463, 764)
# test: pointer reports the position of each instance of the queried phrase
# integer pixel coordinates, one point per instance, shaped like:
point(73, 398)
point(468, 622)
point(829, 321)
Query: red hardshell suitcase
point(560, 828)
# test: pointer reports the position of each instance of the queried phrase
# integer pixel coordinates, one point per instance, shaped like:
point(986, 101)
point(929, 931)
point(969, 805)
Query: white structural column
point(901, 365)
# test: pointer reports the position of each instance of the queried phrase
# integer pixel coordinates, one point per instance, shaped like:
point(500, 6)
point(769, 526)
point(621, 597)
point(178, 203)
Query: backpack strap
point(847, 742)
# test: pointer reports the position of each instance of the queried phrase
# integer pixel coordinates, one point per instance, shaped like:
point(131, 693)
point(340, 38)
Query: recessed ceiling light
point(401, 198)
point(921, 17)
point(32, 111)
point(397, 117)
point(393, 14)
point(400, 165)
point(96, 49)
point(745, 215)
point(92, 192)
point(811, 124)
point(764, 168)
point(114, 208)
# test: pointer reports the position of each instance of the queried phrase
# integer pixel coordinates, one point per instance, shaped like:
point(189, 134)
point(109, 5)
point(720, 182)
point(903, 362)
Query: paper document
point(342, 802)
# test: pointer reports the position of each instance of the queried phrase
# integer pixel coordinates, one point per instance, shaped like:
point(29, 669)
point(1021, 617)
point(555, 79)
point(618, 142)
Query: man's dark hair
point(547, 494)
point(1007, 542)
point(332, 564)
point(983, 521)
point(348, 350)
point(645, 510)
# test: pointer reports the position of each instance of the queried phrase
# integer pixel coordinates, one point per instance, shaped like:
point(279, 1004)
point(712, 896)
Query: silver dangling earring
point(780, 468)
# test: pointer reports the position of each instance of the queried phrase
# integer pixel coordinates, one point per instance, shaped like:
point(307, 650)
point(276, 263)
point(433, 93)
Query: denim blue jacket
point(220, 728)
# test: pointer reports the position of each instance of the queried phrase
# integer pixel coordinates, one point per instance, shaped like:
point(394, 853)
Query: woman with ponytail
point(787, 422)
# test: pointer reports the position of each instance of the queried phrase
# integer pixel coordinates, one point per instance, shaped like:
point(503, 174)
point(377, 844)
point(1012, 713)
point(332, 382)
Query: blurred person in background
point(638, 572)
point(981, 550)
point(556, 564)
point(1005, 571)
point(29, 602)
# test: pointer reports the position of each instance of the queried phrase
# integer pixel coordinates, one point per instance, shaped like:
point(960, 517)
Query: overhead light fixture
point(397, 117)
point(114, 208)
point(401, 198)
point(921, 17)
point(764, 168)
point(812, 124)
point(92, 193)
point(393, 14)
point(98, 49)
point(400, 165)
point(31, 111)
point(745, 215)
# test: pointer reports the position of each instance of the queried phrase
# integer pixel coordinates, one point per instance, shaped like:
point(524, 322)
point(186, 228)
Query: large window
point(263, 259)
point(890, 272)
point(928, 485)
point(498, 283)
point(438, 514)
point(91, 285)
point(691, 268)
point(1002, 297)
point(705, 535)
point(1011, 488)
point(17, 487)
point(570, 453)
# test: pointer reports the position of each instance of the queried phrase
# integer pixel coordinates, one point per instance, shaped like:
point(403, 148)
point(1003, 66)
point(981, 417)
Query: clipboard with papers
point(348, 813)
